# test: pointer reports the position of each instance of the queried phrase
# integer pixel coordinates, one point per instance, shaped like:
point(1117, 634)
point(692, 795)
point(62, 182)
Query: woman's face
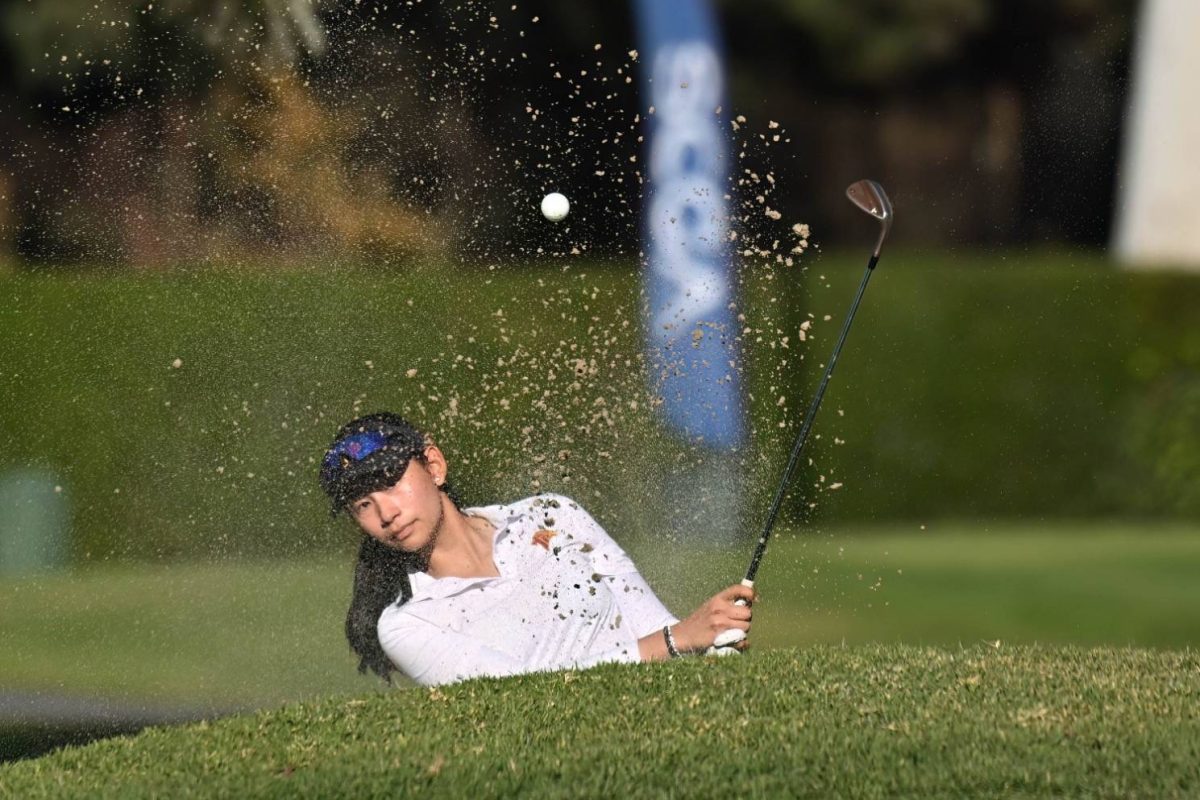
point(408, 514)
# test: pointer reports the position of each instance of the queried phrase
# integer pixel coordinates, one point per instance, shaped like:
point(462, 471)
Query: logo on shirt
point(543, 538)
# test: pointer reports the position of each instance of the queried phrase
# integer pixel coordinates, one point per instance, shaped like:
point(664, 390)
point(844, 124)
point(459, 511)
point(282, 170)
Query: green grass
point(1087, 584)
point(205, 637)
point(220, 636)
point(1043, 384)
point(867, 721)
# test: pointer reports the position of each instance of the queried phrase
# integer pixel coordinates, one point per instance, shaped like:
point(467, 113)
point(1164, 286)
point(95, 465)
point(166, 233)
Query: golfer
point(444, 593)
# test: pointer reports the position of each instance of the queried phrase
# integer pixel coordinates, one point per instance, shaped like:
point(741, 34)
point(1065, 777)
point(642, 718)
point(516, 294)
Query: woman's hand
point(718, 614)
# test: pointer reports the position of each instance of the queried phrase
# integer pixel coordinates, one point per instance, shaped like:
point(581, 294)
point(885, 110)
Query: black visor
point(369, 454)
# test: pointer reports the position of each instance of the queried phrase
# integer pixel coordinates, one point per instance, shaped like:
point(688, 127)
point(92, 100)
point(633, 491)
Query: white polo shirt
point(567, 597)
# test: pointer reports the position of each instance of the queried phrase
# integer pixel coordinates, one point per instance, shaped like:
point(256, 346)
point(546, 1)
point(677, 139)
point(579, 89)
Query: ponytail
point(380, 579)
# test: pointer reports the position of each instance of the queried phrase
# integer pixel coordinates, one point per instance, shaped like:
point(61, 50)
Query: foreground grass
point(867, 721)
point(216, 637)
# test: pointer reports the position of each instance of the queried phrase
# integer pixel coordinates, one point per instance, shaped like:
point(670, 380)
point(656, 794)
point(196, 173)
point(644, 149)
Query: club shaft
point(761, 548)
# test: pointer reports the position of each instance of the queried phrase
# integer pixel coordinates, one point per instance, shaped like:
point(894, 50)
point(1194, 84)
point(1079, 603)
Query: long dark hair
point(381, 572)
point(380, 579)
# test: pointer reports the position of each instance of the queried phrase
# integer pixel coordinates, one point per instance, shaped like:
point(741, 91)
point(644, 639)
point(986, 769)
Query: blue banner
point(689, 271)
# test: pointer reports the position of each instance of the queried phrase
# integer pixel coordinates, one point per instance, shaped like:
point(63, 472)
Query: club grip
point(723, 644)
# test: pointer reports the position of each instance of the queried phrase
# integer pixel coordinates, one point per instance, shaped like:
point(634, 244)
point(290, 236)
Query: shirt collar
point(502, 518)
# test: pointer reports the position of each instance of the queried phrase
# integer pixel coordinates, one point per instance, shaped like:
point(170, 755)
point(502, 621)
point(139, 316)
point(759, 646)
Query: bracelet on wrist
point(671, 648)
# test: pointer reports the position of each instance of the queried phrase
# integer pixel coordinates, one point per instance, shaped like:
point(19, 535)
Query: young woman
point(444, 593)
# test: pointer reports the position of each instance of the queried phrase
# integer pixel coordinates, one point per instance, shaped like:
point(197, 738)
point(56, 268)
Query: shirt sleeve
point(634, 597)
point(432, 655)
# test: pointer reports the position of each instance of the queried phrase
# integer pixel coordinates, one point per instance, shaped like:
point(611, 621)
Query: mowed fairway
point(861, 721)
point(223, 636)
point(939, 691)
point(1089, 584)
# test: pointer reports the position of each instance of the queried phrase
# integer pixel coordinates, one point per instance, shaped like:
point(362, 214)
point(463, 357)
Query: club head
point(871, 198)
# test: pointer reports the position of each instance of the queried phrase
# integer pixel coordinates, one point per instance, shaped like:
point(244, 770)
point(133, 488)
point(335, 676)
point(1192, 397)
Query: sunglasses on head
point(355, 448)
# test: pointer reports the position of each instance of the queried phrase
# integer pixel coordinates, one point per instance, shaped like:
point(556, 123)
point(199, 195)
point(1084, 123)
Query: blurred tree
point(169, 34)
point(8, 118)
point(978, 110)
point(890, 44)
point(195, 124)
point(879, 43)
point(273, 32)
point(6, 216)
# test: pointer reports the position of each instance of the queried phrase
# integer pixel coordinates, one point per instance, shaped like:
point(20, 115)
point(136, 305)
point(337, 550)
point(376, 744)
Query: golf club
point(870, 197)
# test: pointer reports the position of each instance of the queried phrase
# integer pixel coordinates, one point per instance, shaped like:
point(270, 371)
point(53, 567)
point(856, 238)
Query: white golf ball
point(555, 206)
